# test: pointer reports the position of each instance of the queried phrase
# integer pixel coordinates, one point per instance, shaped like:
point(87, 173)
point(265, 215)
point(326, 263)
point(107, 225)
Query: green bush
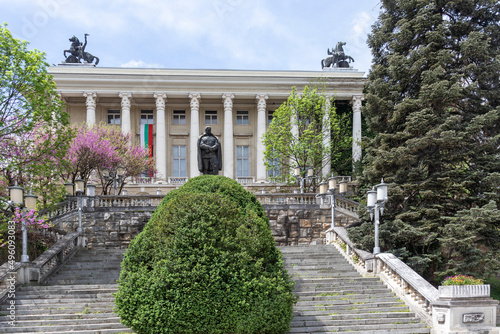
point(206, 263)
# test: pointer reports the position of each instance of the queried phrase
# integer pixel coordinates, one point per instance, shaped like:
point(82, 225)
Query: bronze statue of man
point(209, 153)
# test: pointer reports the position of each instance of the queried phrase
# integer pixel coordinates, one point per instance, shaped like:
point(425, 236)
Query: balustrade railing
point(127, 201)
point(51, 259)
point(59, 209)
point(40, 269)
point(286, 198)
point(395, 273)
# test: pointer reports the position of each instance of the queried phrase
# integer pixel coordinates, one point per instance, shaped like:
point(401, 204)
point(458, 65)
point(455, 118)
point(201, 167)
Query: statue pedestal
point(76, 64)
point(340, 69)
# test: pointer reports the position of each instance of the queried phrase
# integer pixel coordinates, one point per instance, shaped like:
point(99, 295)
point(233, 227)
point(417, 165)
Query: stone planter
point(464, 291)
point(464, 309)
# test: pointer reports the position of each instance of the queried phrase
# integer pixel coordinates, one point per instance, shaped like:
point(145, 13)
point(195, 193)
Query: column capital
point(261, 100)
point(356, 99)
point(227, 96)
point(125, 99)
point(195, 100)
point(91, 97)
point(160, 100)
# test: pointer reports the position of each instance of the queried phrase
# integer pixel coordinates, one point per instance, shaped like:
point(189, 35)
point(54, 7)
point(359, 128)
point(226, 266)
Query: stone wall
point(293, 225)
point(114, 227)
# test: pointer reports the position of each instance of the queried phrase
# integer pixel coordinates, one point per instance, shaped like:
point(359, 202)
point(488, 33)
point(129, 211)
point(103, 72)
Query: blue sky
point(197, 34)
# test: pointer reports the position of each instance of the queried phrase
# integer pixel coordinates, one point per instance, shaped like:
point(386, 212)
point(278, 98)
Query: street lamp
point(116, 175)
point(16, 200)
point(300, 179)
point(376, 199)
point(328, 190)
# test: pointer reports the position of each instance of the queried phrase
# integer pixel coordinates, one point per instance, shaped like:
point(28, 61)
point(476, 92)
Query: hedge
point(206, 263)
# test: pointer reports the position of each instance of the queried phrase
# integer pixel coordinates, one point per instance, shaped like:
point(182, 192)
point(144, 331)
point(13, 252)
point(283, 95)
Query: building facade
point(178, 104)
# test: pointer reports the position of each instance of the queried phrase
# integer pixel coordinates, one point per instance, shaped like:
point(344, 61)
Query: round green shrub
point(205, 263)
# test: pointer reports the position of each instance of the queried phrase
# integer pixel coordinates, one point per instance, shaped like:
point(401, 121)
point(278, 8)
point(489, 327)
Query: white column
point(294, 129)
point(356, 128)
point(261, 129)
point(161, 137)
point(91, 105)
point(125, 112)
point(194, 134)
point(228, 156)
point(327, 140)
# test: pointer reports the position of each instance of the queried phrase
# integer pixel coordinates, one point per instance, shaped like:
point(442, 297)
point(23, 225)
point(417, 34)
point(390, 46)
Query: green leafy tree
point(206, 262)
point(33, 136)
point(433, 101)
point(27, 93)
point(306, 132)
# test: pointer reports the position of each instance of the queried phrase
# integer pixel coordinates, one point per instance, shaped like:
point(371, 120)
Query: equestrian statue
point(77, 52)
point(337, 57)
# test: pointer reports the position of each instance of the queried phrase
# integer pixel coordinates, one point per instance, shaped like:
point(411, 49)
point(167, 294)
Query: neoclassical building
point(237, 104)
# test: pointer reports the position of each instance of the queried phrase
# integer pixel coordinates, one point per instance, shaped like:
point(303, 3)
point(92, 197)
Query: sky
point(197, 34)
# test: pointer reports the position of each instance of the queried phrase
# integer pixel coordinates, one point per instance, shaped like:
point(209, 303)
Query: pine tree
point(433, 100)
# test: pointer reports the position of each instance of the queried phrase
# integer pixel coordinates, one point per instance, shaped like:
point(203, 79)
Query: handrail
point(403, 280)
point(55, 256)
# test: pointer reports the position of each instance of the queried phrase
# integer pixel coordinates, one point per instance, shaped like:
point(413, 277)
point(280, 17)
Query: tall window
point(179, 161)
point(146, 116)
point(274, 169)
point(242, 118)
point(210, 117)
point(114, 117)
point(270, 116)
point(242, 161)
point(179, 117)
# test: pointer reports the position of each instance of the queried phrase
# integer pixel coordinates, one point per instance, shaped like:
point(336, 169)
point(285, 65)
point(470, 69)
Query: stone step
point(369, 328)
point(334, 298)
point(49, 307)
point(393, 315)
point(117, 330)
point(325, 296)
point(111, 318)
point(64, 309)
point(353, 303)
point(97, 328)
point(355, 322)
point(58, 316)
point(351, 310)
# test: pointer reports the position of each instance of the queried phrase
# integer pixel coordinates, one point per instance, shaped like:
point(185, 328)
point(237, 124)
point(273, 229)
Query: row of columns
point(228, 150)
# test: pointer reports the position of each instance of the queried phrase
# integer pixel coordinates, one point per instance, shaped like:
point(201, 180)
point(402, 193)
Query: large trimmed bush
point(205, 263)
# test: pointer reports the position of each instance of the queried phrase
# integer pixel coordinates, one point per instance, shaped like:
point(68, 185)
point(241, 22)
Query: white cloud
point(140, 64)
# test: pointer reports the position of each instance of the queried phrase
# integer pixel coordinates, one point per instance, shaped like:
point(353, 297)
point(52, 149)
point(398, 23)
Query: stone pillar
point(91, 105)
point(161, 137)
point(327, 168)
point(194, 134)
point(125, 112)
point(227, 145)
point(464, 309)
point(261, 129)
point(356, 130)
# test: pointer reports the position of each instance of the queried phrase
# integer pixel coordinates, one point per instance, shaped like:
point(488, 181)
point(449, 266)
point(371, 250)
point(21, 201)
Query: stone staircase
point(334, 298)
point(78, 299)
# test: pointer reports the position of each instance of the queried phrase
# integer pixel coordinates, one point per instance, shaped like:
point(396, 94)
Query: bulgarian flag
point(147, 139)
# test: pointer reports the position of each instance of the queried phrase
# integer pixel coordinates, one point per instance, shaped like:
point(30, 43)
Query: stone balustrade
point(286, 198)
point(403, 280)
point(59, 209)
point(47, 263)
point(39, 270)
